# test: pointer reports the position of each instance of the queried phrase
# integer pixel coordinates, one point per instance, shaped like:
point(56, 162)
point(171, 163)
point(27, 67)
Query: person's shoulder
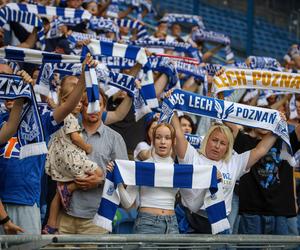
point(110, 131)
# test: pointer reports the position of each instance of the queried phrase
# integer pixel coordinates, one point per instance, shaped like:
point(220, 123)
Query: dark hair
point(188, 118)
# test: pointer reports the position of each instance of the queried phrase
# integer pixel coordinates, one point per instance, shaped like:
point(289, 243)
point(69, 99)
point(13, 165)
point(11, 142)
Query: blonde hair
point(227, 132)
point(66, 87)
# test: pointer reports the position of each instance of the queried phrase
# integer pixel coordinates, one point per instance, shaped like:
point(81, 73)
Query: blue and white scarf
point(190, 69)
point(9, 15)
point(141, 29)
point(256, 79)
point(51, 11)
point(211, 36)
point(224, 110)
point(176, 46)
point(163, 175)
point(194, 140)
point(264, 63)
point(39, 57)
point(30, 131)
point(103, 24)
point(129, 52)
point(183, 18)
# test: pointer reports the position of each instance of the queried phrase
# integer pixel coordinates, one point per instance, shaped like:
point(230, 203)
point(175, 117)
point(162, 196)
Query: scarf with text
point(30, 131)
point(256, 79)
point(129, 52)
point(40, 57)
point(224, 110)
point(183, 18)
point(211, 36)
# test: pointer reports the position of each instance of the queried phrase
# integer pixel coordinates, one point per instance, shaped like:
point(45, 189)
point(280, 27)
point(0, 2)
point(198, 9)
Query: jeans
point(260, 224)
point(233, 217)
point(293, 225)
point(146, 223)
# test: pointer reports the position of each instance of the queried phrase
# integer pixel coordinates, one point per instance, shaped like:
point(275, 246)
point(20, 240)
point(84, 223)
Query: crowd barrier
point(121, 241)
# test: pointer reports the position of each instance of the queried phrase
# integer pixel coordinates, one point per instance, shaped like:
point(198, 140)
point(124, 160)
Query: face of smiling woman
point(163, 141)
point(217, 145)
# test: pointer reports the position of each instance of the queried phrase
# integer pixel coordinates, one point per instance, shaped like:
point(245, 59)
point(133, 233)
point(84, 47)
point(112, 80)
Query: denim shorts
point(147, 223)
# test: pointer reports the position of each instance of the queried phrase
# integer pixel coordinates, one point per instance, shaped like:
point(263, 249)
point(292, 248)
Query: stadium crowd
point(236, 125)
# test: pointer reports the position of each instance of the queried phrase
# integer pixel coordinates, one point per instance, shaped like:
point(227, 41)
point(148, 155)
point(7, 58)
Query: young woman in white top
point(156, 205)
point(216, 149)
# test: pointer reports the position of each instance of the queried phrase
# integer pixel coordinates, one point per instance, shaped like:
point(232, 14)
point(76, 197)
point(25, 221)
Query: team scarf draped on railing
point(40, 57)
point(211, 36)
point(129, 52)
point(30, 131)
point(256, 79)
point(176, 46)
point(9, 15)
point(163, 175)
point(226, 111)
point(134, 24)
point(183, 18)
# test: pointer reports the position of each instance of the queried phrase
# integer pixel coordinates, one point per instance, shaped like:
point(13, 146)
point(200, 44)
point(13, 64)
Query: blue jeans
point(260, 224)
point(233, 217)
point(146, 223)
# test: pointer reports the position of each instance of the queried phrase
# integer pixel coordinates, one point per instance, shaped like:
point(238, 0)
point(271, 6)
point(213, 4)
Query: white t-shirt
point(156, 197)
point(231, 172)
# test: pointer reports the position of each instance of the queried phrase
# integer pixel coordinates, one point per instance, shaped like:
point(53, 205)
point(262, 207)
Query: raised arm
point(66, 108)
point(261, 149)
point(181, 142)
point(160, 84)
point(10, 127)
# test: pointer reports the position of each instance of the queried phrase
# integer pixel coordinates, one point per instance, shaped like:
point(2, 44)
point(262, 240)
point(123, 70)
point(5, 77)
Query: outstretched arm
point(261, 149)
point(73, 99)
point(181, 142)
point(10, 127)
point(122, 110)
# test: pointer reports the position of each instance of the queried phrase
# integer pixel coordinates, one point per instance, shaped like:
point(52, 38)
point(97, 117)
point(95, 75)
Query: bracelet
point(5, 220)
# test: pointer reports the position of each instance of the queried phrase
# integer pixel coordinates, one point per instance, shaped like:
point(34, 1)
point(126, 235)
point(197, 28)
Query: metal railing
point(52, 242)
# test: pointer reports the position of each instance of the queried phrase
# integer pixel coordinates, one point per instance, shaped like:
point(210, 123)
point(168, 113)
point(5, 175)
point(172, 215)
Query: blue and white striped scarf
point(9, 15)
point(224, 110)
point(40, 57)
point(163, 175)
point(104, 76)
point(30, 131)
point(211, 36)
point(129, 52)
point(51, 11)
point(183, 18)
point(256, 79)
point(134, 24)
point(176, 46)
point(190, 69)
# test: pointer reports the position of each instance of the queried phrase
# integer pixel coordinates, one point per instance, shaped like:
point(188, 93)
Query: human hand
point(110, 166)
point(83, 43)
point(11, 228)
point(26, 77)
point(220, 71)
point(89, 61)
point(168, 93)
point(91, 181)
point(138, 84)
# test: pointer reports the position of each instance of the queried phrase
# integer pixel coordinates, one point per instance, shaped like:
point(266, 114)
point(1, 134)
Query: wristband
point(5, 220)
